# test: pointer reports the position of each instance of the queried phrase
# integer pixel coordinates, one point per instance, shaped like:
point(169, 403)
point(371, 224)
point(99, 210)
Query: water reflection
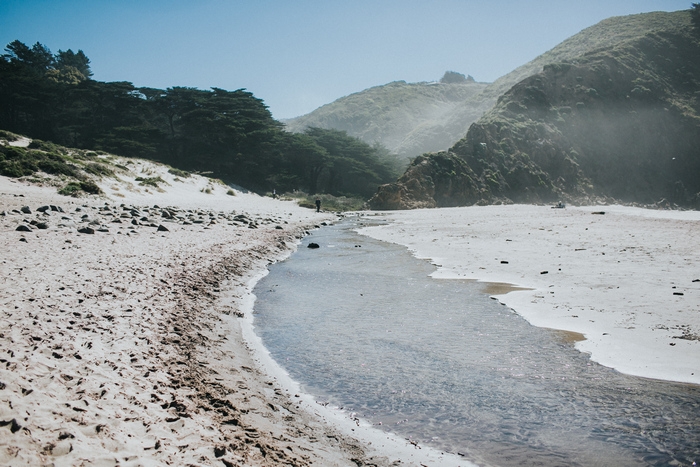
point(360, 324)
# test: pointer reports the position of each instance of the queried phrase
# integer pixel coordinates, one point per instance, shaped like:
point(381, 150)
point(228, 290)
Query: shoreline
point(134, 345)
point(622, 277)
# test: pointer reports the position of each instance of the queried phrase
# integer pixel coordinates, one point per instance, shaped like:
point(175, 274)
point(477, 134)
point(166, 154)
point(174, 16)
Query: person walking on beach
point(318, 205)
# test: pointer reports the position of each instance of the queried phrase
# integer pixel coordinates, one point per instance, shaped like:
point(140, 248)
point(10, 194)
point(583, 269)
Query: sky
point(298, 55)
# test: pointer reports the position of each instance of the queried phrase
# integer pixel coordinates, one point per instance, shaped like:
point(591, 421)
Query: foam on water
point(359, 323)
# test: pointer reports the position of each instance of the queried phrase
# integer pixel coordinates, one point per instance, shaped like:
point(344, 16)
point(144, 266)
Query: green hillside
point(407, 118)
point(415, 118)
point(619, 122)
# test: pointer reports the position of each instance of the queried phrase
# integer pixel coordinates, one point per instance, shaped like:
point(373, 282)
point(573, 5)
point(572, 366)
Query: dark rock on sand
point(162, 228)
point(313, 245)
point(23, 228)
point(86, 230)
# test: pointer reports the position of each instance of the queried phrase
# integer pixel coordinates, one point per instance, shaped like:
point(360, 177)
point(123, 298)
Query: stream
point(361, 325)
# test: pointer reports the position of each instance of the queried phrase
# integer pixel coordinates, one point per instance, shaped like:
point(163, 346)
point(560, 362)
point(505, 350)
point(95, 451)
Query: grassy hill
point(407, 118)
point(620, 121)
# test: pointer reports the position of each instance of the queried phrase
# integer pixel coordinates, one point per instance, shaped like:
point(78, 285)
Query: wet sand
point(625, 278)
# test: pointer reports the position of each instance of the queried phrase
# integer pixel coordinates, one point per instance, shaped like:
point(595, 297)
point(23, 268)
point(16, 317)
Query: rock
point(26, 210)
point(162, 228)
point(279, 227)
point(598, 212)
point(313, 245)
point(22, 239)
point(23, 228)
point(544, 272)
point(42, 225)
point(86, 230)
point(43, 209)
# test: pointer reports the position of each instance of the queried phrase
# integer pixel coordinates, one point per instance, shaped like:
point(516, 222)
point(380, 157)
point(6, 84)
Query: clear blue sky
point(297, 55)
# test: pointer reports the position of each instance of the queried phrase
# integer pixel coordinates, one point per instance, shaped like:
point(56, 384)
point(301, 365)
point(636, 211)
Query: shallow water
point(359, 324)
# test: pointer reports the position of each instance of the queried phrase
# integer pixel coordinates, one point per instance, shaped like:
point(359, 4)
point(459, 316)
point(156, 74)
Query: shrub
point(72, 189)
point(91, 187)
point(54, 164)
point(13, 169)
point(46, 146)
point(75, 188)
point(98, 169)
point(150, 181)
point(179, 173)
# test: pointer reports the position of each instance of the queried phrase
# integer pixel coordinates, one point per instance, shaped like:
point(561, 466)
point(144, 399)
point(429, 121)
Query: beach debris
point(504, 262)
point(598, 212)
point(544, 272)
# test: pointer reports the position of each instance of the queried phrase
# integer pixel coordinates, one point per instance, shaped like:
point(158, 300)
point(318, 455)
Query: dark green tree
point(695, 17)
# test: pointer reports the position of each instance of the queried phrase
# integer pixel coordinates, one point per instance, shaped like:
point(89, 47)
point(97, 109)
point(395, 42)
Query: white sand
point(134, 346)
point(623, 279)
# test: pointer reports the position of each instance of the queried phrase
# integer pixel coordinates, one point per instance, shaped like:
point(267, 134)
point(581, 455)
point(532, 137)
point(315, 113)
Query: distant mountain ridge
point(407, 118)
point(415, 118)
point(618, 122)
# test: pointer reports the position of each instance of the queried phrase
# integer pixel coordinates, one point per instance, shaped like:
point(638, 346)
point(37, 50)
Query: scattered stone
point(677, 293)
point(42, 225)
point(86, 230)
point(14, 426)
point(598, 212)
point(279, 227)
point(23, 228)
point(43, 209)
point(26, 210)
point(504, 262)
point(162, 228)
point(544, 272)
point(313, 245)
point(22, 239)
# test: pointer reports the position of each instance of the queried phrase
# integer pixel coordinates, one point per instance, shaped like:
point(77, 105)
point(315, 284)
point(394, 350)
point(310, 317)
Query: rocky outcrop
point(618, 123)
point(433, 180)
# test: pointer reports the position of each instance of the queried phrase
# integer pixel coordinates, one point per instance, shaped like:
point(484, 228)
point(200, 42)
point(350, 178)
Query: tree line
point(231, 134)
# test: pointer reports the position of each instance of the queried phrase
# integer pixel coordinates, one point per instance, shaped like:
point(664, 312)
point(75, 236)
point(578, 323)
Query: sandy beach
point(127, 339)
point(624, 281)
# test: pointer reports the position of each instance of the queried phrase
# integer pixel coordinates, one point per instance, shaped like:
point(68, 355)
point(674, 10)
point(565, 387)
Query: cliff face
point(435, 180)
point(620, 122)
